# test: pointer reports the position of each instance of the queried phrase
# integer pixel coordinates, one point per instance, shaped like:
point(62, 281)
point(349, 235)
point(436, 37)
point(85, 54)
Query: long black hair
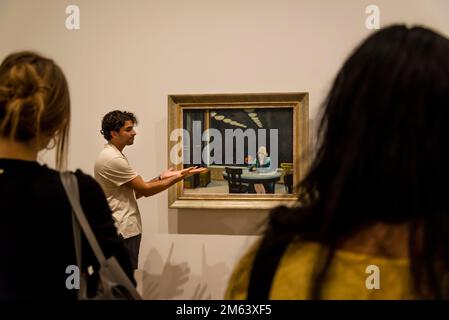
point(382, 154)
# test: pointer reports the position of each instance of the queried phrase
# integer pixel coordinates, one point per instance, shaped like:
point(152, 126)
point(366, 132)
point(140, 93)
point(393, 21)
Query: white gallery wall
point(130, 55)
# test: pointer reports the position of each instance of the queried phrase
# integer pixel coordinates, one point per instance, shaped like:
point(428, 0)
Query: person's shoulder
point(239, 280)
point(45, 174)
point(110, 158)
point(109, 152)
point(85, 181)
point(44, 169)
point(120, 164)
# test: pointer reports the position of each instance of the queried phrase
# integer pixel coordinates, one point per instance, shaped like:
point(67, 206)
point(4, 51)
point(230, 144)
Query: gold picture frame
point(296, 103)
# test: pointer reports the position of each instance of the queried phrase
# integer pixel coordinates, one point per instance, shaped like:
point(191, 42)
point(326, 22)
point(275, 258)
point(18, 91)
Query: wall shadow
point(176, 281)
point(169, 283)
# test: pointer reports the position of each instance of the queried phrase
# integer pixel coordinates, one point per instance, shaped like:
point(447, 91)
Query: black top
point(36, 236)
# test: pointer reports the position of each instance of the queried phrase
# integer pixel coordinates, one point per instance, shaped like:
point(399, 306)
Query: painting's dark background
point(270, 118)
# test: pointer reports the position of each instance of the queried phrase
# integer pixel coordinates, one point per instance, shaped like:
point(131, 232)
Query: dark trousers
point(133, 246)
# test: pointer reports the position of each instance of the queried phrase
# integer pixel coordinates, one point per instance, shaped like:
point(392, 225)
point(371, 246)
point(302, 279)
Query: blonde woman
point(37, 240)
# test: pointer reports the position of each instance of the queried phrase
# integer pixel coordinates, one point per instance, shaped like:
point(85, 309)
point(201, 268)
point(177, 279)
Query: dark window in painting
point(280, 119)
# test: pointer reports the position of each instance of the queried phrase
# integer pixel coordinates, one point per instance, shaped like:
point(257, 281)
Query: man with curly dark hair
point(115, 120)
point(122, 185)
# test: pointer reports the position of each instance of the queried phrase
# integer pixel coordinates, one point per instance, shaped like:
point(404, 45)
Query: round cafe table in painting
point(265, 176)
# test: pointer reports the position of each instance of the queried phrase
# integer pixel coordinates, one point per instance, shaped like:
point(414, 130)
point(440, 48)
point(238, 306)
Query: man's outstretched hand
point(191, 171)
point(184, 173)
point(170, 172)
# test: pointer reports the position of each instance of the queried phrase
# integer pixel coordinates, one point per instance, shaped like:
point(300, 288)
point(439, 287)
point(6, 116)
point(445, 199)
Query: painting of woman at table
point(262, 160)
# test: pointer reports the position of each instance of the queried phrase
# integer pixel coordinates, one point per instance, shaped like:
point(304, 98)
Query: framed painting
point(254, 148)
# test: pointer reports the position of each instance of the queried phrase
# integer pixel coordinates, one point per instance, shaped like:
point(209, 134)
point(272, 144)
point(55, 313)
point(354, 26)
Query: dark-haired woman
point(373, 219)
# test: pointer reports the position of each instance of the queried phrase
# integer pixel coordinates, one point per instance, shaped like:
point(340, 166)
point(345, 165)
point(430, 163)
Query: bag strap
point(70, 184)
point(77, 240)
point(265, 264)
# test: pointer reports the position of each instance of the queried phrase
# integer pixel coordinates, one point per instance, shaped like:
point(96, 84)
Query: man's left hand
point(192, 170)
point(170, 172)
point(184, 173)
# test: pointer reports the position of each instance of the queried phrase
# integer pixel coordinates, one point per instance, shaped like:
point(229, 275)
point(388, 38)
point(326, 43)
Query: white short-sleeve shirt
point(112, 171)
